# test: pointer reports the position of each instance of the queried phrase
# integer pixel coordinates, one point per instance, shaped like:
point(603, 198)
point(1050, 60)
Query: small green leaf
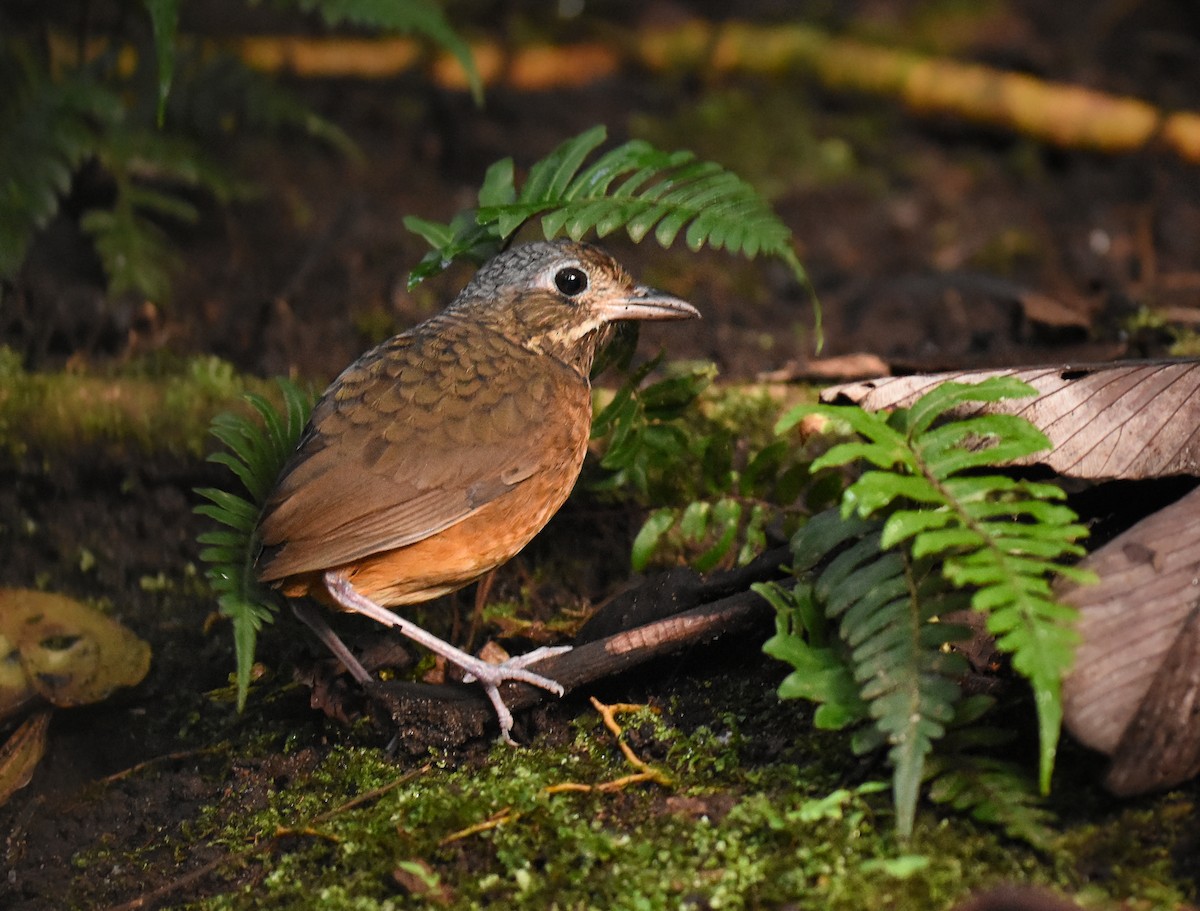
point(652, 530)
point(694, 524)
point(906, 523)
point(726, 515)
point(134, 251)
point(498, 187)
point(876, 490)
point(550, 176)
point(904, 866)
point(754, 536)
point(164, 18)
point(935, 403)
point(433, 233)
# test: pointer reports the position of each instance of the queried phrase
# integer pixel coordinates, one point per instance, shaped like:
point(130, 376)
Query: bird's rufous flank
point(439, 454)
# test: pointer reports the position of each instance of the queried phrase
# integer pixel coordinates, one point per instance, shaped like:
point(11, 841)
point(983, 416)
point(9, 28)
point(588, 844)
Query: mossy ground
point(345, 826)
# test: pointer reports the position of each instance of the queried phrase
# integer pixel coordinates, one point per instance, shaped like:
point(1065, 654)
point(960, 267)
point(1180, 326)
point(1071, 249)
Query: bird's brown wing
point(413, 438)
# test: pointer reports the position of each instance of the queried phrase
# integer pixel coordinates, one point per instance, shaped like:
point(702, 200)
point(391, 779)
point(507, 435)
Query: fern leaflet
point(255, 454)
point(135, 251)
point(888, 606)
point(164, 20)
point(220, 92)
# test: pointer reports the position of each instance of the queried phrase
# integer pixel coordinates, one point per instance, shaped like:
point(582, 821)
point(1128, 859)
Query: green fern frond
point(1002, 538)
point(925, 533)
point(47, 130)
point(993, 791)
point(634, 186)
point(152, 158)
point(135, 252)
point(888, 606)
point(147, 168)
point(255, 451)
point(51, 123)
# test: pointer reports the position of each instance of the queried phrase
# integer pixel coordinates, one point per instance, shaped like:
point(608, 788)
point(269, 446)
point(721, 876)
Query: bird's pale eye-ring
point(571, 281)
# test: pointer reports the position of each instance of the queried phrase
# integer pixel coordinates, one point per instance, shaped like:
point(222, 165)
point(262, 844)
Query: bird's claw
point(491, 676)
point(515, 669)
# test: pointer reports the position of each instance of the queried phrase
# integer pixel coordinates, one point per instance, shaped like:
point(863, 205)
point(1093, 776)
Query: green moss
point(1131, 853)
point(727, 834)
point(149, 408)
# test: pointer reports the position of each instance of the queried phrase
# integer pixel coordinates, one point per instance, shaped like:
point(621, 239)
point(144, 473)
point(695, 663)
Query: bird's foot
point(491, 676)
point(515, 669)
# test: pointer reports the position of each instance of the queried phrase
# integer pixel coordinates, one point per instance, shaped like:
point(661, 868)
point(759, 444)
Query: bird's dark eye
point(571, 281)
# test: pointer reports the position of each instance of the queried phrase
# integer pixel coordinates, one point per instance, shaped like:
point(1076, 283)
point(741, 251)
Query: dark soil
point(923, 252)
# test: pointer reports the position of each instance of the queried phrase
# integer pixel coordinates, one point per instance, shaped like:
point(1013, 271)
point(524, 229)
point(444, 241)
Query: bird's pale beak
point(647, 303)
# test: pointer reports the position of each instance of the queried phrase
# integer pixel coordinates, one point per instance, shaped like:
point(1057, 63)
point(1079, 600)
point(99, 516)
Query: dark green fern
point(216, 94)
point(148, 168)
point(47, 131)
point(256, 453)
point(968, 773)
point(927, 532)
point(164, 23)
point(888, 607)
point(56, 119)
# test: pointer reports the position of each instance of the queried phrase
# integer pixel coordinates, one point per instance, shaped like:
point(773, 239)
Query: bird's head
point(561, 298)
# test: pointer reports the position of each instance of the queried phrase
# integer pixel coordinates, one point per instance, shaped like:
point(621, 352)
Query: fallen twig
point(673, 612)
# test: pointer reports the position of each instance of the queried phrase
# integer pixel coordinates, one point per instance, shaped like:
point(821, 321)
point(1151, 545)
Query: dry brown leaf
point(22, 752)
point(1130, 421)
point(69, 653)
point(1161, 748)
point(1135, 688)
point(1050, 311)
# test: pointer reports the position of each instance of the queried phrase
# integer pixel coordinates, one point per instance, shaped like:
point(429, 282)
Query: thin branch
point(453, 713)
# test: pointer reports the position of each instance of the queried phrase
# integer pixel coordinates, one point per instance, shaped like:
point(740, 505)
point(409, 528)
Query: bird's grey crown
point(518, 266)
